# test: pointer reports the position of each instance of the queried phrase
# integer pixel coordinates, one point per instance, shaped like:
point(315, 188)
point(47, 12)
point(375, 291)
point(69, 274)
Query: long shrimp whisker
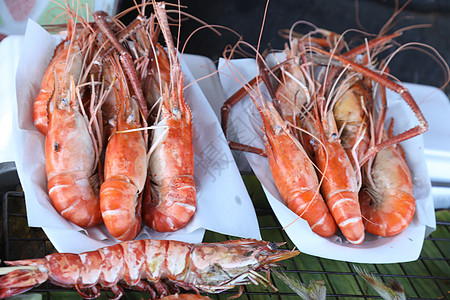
point(141, 129)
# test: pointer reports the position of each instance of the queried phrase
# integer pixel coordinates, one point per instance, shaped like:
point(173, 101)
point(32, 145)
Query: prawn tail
point(177, 208)
point(389, 218)
point(74, 198)
point(316, 213)
point(346, 211)
point(121, 210)
point(25, 277)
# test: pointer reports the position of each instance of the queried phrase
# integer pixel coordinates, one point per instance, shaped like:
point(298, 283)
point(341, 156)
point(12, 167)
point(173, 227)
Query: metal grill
point(426, 278)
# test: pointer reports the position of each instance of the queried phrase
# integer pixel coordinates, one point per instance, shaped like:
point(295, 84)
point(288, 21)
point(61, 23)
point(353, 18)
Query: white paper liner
point(435, 106)
point(8, 65)
point(224, 205)
point(403, 247)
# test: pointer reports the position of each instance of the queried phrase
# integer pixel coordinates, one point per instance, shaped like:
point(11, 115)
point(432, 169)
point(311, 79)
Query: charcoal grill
point(426, 278)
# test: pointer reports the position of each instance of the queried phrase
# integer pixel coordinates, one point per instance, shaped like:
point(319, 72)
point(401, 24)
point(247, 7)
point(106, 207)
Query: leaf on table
point(315, 291)
point(393, 291)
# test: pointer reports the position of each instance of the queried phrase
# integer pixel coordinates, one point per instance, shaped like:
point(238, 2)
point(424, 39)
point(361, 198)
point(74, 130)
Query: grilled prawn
point(294, 174)
point(150, 265)
point(70, 164)
point(125, 170)
point(387, 199)
point(171, 168)
point(70, 148)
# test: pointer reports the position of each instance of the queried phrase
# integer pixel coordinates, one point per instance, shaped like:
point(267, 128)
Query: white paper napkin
point(9, 60)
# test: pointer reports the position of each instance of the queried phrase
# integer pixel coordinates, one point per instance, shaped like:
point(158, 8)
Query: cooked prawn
point(125, 169)
point(171, 167)
point(150, 265)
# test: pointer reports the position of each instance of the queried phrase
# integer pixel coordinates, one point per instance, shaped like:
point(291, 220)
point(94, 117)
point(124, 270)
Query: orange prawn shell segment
point(126, 155)
point(120, 212)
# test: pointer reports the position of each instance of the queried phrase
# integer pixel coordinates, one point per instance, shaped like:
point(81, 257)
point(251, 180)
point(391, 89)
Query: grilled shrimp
point(171, 167)
point(71, 150)
point(387, 199)
point(125, 170)
point(339, 186)
point(294, 174)
point(150, 265)
point(70, 163)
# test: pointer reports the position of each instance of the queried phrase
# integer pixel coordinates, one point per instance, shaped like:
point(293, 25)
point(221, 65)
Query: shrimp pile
point(158, 267)
point(332, 160)
point(118, 132)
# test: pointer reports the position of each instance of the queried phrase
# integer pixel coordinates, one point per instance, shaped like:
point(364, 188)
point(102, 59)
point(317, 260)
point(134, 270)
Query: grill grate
point(426, 278)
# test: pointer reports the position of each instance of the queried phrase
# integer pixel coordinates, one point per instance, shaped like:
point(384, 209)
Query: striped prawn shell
point(143, 264)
